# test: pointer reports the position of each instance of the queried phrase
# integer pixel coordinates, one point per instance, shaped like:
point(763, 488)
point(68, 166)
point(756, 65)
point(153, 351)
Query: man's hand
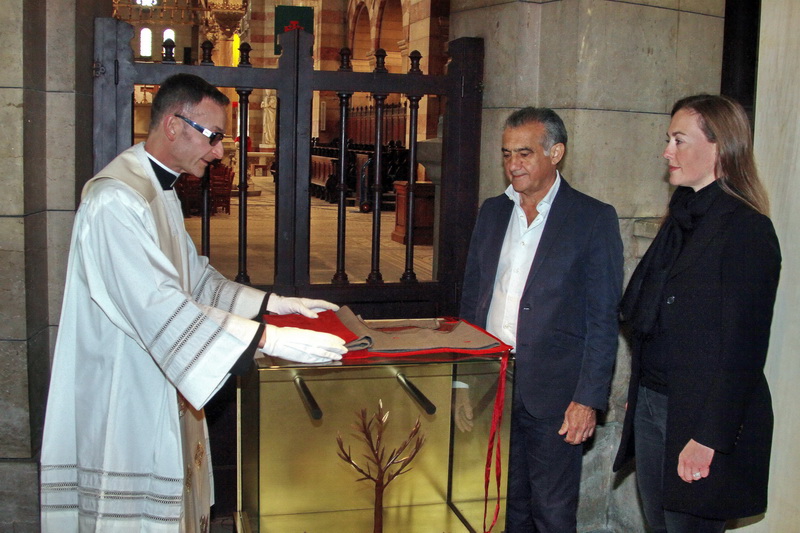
point(462, 410)
point(579, 423)
point(303, 306)
point(302, 345)
point(694, 462)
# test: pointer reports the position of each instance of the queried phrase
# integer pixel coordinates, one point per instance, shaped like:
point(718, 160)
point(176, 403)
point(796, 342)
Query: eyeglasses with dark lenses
point(214, 137)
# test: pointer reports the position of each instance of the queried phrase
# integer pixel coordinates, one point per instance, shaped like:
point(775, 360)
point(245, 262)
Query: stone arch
point(360, 36)
point(389, 23)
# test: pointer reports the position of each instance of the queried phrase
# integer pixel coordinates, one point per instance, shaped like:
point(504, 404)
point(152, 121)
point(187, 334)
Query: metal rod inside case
point(308, 398)
point(416, 394)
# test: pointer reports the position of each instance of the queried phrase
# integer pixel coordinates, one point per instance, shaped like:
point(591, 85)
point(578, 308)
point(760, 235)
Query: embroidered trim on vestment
point(201, 285)
point(168, 322)
point(203, 349)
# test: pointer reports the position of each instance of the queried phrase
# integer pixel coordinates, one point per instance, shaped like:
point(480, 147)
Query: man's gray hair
point(555, 131)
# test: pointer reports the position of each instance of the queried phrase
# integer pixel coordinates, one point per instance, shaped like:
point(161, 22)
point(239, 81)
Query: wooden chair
point(221, 184)
point(188, 189)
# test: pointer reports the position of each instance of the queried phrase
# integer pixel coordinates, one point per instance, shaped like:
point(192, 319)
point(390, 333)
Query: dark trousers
point(650, 430)
point(544, 475)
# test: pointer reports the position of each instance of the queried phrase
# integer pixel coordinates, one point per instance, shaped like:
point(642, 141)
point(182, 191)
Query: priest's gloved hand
point(302, 345)
point(305, 306)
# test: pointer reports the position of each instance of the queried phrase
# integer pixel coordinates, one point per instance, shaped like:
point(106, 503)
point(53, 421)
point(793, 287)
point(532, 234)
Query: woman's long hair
point(725, 123)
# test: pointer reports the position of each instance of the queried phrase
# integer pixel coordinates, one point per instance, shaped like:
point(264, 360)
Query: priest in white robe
point(149, 332)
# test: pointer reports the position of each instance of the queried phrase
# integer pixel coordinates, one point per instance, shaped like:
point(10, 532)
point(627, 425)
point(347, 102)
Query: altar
point(291, 478)
point(260, 163)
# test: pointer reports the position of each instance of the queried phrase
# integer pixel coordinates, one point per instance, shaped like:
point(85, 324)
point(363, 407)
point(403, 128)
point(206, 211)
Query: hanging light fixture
point(226, 16)
point(220, 17)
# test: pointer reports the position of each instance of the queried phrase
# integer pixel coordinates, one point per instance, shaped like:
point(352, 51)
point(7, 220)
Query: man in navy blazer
point(544, 274)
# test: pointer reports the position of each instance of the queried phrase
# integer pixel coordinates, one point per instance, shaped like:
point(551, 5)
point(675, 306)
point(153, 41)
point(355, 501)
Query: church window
point(145, 42)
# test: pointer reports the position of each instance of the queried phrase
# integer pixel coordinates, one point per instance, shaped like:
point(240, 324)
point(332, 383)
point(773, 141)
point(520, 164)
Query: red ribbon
point(494, 435)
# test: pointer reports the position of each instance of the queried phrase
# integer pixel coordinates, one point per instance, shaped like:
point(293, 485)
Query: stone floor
point(261, 235)
point(222, 525)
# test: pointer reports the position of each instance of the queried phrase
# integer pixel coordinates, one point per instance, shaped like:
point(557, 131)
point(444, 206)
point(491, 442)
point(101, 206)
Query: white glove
point(302, 345)
point(304, 306)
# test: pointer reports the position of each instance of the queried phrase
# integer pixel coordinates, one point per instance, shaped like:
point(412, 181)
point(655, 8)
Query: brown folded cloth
point(415, 336)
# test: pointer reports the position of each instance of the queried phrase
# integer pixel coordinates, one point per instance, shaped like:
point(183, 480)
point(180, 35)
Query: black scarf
point(640, 303)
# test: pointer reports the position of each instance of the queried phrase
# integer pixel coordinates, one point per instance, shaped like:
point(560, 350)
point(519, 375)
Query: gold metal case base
point(291, 479)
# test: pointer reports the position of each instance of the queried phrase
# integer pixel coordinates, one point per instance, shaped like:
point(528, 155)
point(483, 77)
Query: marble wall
point(45, 155)
point(20, 91)
point(612, 70)
point(777, 146)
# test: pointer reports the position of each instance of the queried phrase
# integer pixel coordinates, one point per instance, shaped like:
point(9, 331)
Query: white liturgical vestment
point(145, 321)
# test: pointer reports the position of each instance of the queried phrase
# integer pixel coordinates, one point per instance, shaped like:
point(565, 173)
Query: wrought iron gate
point(295, 80)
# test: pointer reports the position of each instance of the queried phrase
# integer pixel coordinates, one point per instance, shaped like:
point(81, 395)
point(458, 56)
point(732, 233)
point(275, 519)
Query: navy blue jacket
point(567, 326)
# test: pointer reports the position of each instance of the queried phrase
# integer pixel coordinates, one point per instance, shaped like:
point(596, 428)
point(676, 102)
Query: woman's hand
point(694, 462)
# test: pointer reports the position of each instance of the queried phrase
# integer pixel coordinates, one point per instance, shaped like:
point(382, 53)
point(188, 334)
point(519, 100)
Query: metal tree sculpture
point(386, 468)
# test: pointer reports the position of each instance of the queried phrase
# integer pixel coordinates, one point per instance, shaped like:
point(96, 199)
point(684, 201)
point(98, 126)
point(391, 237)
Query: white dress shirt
point(516, 257)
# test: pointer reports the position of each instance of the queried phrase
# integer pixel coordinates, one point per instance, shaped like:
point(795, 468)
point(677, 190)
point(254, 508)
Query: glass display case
point(291, 478)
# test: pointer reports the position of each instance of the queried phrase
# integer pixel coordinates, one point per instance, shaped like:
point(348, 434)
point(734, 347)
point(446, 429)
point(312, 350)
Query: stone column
point(428, 27)
point(331, 23)
point(612, 70)
point(45, 157)
point(329, 30)
point(18, 469)
point(260, 33)
point(330, 27)
point(777, 148)
point(257, 31)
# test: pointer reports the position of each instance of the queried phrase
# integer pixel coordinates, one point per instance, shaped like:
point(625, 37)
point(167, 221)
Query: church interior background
point(611, 68)
point(368, 28)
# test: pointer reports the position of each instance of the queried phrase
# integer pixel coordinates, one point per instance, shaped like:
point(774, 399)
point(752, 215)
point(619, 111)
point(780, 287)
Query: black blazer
point(715, 314)
point(567, 327)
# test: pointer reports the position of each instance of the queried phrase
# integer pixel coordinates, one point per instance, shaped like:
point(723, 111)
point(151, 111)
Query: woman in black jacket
point(698, 311)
